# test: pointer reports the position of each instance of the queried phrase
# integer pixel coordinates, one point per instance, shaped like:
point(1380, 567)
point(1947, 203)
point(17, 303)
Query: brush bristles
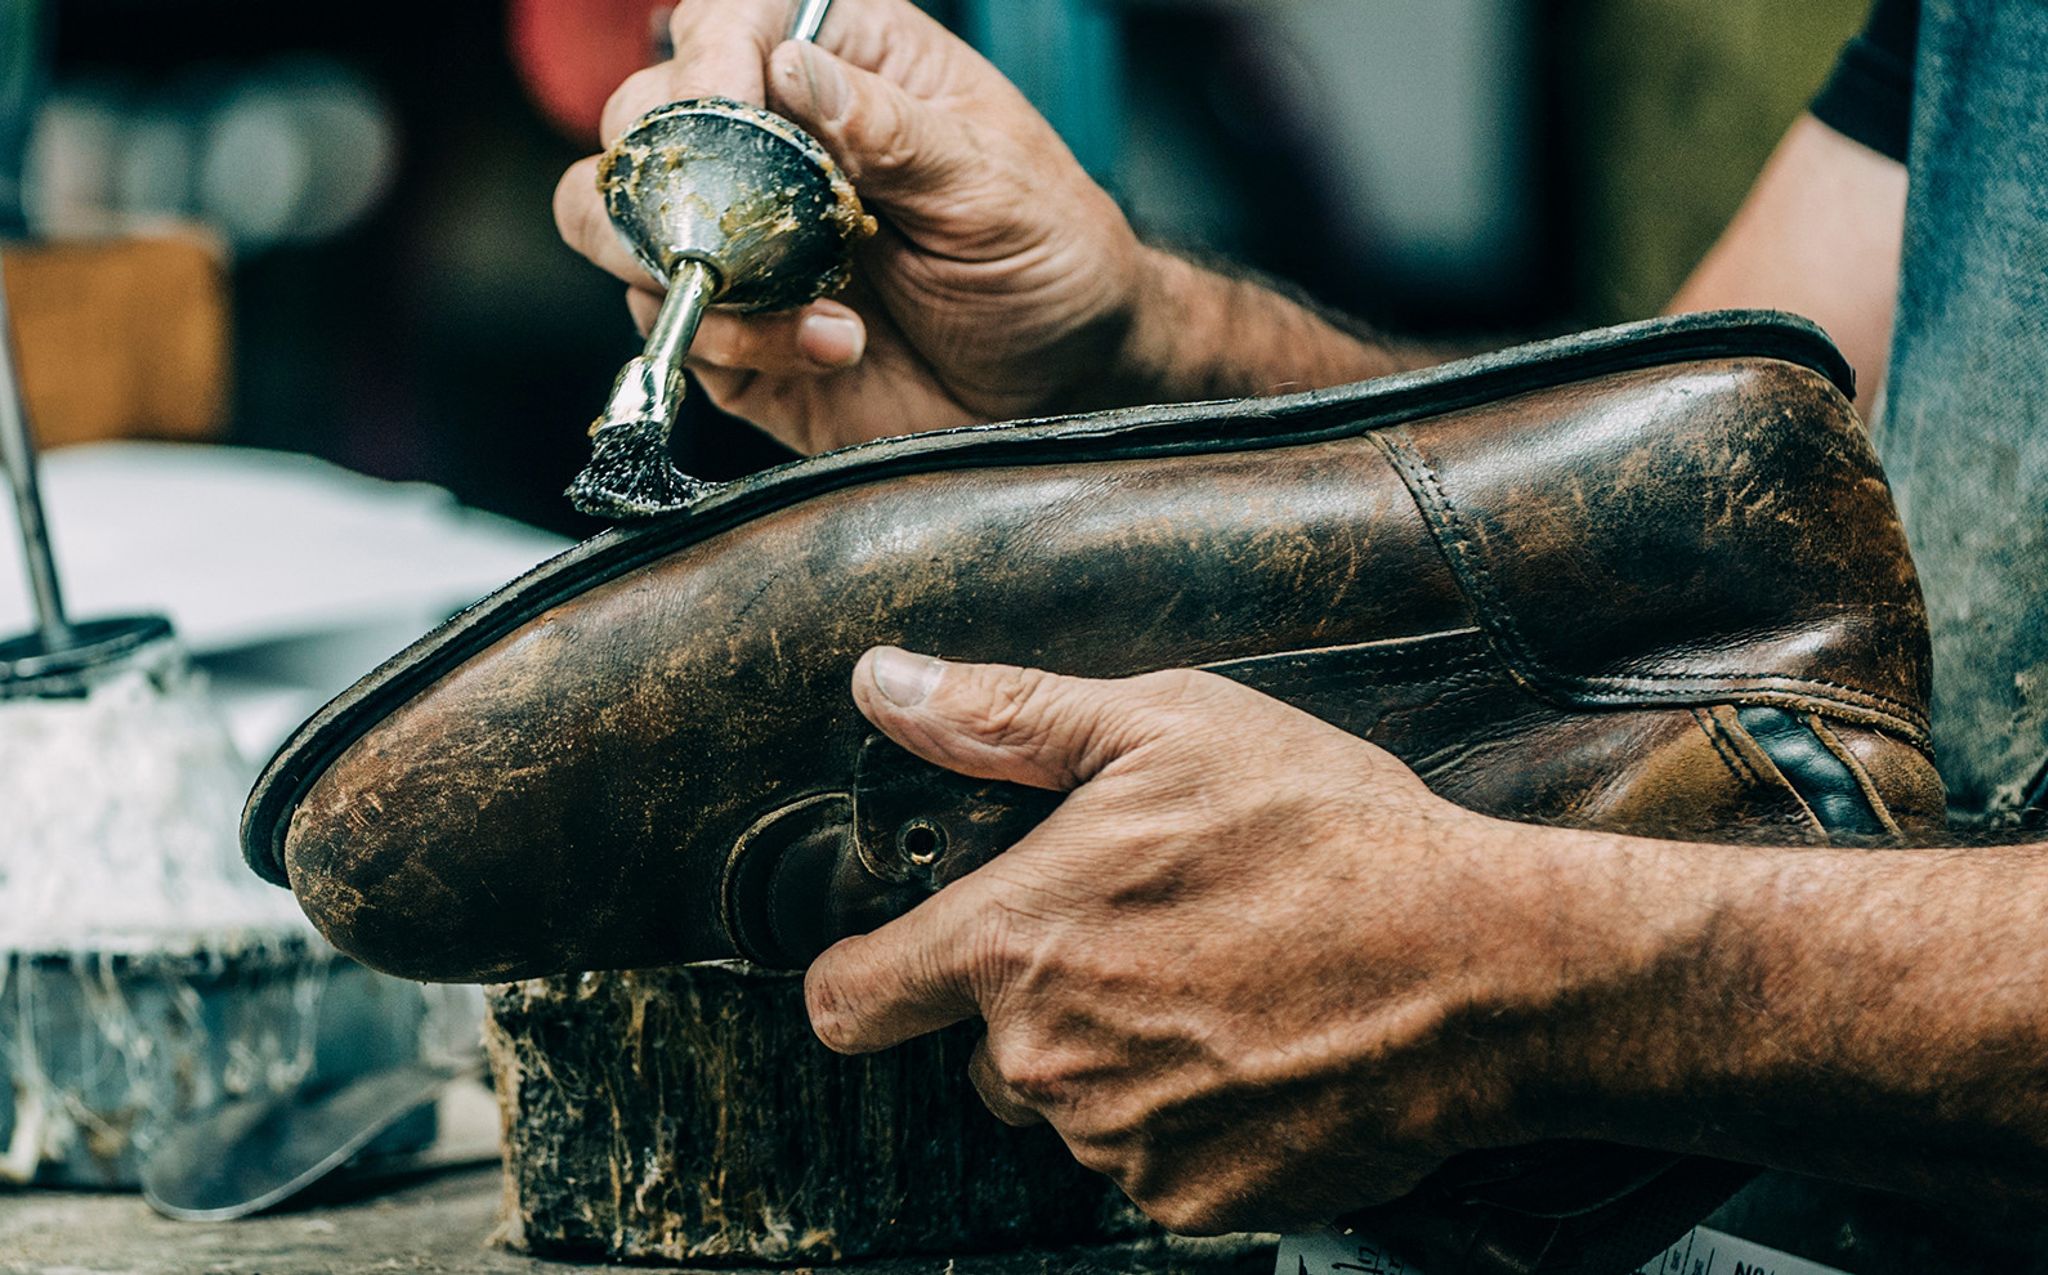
point(630, 475)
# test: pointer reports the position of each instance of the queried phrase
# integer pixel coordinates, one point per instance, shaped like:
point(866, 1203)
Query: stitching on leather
point(1804, 816)
point(1834, 744)
point(1876, 702)
point(1446, 523)
point(1734, 763)
point(1872, 696)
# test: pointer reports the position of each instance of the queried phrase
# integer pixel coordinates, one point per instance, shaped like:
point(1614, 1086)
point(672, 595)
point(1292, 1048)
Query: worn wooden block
point(689, 1115)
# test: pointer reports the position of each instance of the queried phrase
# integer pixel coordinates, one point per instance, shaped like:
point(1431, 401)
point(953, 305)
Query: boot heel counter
point(1899, 778)
point(1856, 784)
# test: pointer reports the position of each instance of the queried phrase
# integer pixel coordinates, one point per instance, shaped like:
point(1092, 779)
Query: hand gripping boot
point(1646, 579)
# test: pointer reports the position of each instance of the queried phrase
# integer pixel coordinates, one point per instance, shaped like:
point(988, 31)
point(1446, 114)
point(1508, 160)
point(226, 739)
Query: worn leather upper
point(1548, 580)
point(1648, 579)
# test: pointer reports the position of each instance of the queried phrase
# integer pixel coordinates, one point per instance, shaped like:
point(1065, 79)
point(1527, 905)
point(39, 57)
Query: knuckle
point(1194, 1204)
point(834, 1033)
point(1185, 1215)
point(684, 18)
point(1042, 1077)
point(887, 150)
point(721, 340)
point(1017, 704)
point(1097, 1158)
point(690, 17)
point(891, 141)
point(575, 194)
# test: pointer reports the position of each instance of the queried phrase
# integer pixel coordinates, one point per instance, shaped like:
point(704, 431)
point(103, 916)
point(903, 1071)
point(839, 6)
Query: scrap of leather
point(1648, 579)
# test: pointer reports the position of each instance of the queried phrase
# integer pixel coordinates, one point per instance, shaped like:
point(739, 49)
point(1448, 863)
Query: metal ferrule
point(650, 386)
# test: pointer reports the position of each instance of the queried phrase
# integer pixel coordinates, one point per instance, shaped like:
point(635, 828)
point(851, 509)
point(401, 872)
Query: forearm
point(1201, 333)
point(1870, 1016)
point(1819, 235)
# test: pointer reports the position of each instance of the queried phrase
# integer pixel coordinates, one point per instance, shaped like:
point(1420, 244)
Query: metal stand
point(57, 658)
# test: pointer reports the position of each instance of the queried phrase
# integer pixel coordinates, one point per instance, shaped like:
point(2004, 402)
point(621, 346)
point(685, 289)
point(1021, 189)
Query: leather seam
point(1834, 744)
point(1443, 649)
point(1736, 767)
point(1808, 818)
point(1446, 523)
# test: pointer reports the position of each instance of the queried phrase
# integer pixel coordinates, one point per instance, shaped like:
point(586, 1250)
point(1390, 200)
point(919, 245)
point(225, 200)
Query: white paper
point(240, 546)
point(1703, 1251)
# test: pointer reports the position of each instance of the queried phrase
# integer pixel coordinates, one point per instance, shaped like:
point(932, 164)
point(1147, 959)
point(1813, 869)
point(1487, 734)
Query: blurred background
point(371, 185)
point(322, 233)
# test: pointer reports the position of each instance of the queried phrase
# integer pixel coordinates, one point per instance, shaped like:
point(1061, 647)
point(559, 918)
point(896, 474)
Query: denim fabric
point(1964, 437)
point(1964, 427)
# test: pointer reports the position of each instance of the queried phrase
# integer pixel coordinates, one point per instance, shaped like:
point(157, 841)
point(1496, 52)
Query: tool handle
point(808, 16)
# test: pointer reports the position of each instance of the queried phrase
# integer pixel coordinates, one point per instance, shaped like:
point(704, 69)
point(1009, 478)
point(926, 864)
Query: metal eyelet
point(920, 842)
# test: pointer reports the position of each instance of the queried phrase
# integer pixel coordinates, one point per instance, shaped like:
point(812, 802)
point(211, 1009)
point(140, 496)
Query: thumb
point(1026, 726)
point(894, 147)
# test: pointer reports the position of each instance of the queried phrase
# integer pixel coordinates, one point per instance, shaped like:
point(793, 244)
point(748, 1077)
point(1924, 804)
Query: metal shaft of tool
point(691, 287)
point(18, 453)
point(690, 290)
point(807, 19)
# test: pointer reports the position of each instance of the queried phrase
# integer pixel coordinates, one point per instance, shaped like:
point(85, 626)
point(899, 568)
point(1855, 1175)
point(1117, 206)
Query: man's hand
point(1004, 282)
point(1252, 969)
point(1258, 974)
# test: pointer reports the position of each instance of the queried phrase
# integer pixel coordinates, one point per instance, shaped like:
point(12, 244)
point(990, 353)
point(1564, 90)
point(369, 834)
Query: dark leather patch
point(1827, 785)
point(1702, 576)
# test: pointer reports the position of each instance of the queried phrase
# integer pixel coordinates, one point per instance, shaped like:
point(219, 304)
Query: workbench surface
point(440, 1225)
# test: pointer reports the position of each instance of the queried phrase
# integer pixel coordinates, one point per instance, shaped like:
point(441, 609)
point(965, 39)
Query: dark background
point(448, 335)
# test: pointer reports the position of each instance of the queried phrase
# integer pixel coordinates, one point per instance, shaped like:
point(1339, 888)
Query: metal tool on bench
point(57, 656)
point(61, 656)
point(729, 205)
point(250, 1155)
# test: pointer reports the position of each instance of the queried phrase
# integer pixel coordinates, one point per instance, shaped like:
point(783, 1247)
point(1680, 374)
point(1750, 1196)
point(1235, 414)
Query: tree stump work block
point(689, 1115)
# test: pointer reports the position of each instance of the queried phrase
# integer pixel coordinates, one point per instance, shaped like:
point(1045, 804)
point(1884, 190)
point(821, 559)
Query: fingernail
point(823, 82)
point(832, 339)
point(904, 679)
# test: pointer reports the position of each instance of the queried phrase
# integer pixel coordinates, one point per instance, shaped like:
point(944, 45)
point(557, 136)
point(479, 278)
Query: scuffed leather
point(1550, 604)
point(1550, 581)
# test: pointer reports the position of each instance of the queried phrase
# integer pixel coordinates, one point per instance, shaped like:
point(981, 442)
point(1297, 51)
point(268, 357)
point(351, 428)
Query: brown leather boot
point(1646, 579)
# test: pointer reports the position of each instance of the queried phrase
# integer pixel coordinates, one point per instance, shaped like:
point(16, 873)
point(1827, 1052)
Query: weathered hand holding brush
point(727, 204)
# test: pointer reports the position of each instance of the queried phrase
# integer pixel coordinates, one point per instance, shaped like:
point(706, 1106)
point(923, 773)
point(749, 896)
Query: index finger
point(911, 976)
point(721, 50)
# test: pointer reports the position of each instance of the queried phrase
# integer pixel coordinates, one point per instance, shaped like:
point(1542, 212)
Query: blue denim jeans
point(1963, 429)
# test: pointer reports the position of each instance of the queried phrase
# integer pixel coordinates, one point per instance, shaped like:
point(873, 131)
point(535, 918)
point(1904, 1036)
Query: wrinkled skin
point(1279, 1027)
point(1003, 283)
point(1259, 975)
point(1001, 276)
